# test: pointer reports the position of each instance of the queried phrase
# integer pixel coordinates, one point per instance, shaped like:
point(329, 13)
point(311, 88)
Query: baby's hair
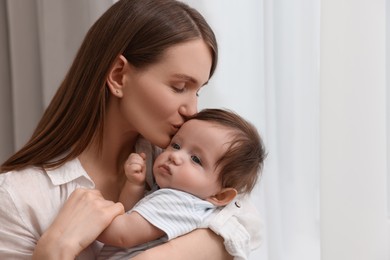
point(242, 163)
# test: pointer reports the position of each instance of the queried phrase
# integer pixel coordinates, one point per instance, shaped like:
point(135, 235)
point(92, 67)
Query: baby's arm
point(134, 188)
point(129, 230)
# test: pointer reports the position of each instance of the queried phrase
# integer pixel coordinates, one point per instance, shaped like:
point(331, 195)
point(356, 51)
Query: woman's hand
point(200, 244)
point(82, 218)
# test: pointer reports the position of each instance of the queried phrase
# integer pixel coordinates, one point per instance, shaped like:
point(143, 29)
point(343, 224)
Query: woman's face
point(156, 98)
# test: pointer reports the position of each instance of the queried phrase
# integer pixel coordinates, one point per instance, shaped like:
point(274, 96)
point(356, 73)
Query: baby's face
point(189, 162)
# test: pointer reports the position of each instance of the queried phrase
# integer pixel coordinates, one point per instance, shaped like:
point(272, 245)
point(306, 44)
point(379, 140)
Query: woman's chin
point(162, 142)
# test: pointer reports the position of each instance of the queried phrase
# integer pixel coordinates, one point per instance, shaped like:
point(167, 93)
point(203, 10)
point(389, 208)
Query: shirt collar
point(68, 172)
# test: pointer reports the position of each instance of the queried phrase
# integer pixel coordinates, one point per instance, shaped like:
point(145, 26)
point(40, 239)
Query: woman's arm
point(200, 244)
point(82, 218)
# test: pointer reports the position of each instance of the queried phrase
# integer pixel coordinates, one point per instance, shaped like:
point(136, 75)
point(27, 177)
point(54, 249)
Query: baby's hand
point(135, 168)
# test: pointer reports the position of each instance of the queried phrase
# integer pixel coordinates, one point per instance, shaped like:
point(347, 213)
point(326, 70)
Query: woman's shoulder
point(29, 187)
point(26, 176)
point(38, 177)
point(43, 189)
point(35, 195)
point(28, 200)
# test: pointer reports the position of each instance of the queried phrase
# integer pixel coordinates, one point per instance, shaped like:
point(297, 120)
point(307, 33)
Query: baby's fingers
point(133, 168)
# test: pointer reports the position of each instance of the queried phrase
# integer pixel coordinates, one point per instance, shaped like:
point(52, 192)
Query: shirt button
point(238, 204)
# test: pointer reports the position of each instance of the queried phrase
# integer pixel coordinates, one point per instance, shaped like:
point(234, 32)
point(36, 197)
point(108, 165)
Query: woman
point(137, 73)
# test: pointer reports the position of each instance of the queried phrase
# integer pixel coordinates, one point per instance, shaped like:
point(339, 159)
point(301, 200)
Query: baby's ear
point(223, 197)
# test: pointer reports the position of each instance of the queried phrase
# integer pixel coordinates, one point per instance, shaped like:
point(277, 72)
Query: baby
point(215, 155)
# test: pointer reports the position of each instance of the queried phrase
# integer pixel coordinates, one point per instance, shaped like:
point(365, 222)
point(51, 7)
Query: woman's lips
point(175, 128)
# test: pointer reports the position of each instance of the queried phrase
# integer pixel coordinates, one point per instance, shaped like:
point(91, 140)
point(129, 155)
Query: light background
point(310, 74)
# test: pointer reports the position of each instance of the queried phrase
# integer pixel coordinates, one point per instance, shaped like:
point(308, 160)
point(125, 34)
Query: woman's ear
point(115, 78)
point(223, 197)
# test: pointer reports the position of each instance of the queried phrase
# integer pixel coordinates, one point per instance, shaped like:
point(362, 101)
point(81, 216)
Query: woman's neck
point(104, 162)
point(105, 165)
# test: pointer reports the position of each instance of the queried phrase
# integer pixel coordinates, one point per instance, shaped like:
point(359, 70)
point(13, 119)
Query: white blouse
point(31, 199)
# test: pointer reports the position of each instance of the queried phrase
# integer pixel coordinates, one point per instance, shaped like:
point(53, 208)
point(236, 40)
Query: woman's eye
point(178, 89)
point(196, 159)
point(175, 146)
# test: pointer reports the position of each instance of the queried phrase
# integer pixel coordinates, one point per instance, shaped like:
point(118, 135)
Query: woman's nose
point(189, 108)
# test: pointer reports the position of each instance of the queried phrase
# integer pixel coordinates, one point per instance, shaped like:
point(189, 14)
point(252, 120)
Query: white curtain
point(38, 40)
point(354, 220)
point(269, 73)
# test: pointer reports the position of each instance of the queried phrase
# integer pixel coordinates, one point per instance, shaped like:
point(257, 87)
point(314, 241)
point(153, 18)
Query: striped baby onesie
point(174, 212)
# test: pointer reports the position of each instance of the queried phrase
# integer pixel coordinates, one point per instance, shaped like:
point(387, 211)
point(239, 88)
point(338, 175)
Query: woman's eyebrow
point(187, 78)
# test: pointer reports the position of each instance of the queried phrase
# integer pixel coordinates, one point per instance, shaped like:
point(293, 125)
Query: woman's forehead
point(190, 60)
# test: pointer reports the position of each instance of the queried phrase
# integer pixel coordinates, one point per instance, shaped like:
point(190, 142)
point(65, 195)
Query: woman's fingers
point(83, 217)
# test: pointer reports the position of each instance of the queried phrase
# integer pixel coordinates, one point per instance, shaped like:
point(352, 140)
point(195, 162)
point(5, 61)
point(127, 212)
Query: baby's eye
point(175, 146)
point(196, 159)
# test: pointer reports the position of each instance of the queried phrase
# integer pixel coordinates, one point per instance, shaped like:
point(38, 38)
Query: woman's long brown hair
point(141, 30)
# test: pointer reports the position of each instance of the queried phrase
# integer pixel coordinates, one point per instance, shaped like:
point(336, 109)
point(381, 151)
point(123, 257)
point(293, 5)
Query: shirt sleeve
point(240, 225)
point(174, 212)
point(16, 240)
